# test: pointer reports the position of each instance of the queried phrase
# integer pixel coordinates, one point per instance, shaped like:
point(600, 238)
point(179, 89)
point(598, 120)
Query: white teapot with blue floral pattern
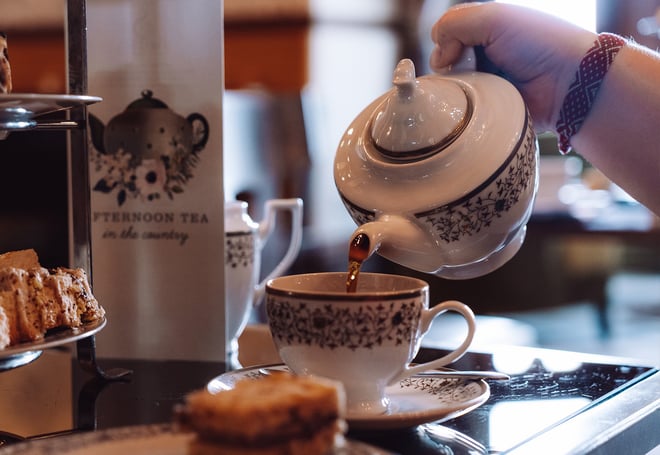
point(440, 172)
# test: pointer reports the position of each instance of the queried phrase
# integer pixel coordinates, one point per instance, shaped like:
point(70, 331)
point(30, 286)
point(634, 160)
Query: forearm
point(540, 55)
point(621, 134)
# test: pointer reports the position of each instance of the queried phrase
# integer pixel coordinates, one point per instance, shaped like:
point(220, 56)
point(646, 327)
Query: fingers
point(445, 54)
point(463, 25)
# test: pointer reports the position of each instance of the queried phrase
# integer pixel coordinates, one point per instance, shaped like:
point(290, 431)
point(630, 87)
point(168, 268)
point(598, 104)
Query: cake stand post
point(78, 168)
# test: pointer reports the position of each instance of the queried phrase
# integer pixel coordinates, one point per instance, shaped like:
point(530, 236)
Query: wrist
point(583, 90)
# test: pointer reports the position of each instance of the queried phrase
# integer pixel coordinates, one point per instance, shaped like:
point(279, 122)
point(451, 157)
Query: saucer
point(413, 401)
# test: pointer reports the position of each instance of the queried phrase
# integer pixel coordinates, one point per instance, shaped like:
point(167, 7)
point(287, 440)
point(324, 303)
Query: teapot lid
point(237, 218)
point(419, 117)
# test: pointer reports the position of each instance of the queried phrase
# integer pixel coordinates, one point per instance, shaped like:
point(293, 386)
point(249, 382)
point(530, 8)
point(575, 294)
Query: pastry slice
point(35, 300)
point(8, 325)
point(276, 414)
point(16, 287)
point(5, 68)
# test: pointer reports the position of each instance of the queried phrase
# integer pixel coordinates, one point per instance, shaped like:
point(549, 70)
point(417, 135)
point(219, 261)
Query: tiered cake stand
point(24, 112)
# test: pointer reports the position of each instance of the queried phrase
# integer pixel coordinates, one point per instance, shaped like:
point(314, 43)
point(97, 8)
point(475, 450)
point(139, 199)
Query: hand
point(538, 53)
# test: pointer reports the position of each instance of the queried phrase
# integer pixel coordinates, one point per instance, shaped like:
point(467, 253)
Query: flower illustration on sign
point(146, 152)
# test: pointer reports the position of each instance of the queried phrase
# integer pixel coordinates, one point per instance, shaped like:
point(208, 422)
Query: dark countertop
point(574, 403)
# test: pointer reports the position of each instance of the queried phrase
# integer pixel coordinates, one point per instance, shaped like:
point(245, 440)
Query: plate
point(12, 356)
point(18, 110)
point(413, 401)
point(138, 440)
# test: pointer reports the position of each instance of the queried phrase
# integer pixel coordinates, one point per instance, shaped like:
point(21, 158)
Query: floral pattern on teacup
point(239, 249)
point(330, 326)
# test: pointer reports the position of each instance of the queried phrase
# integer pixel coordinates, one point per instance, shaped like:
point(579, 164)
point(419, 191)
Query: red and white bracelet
point(582, 92)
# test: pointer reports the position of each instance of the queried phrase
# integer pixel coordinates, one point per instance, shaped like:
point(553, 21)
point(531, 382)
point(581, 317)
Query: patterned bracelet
point(582, 92)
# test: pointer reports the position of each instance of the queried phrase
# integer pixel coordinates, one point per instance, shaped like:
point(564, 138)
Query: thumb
point(462, 25)
point(445, 54)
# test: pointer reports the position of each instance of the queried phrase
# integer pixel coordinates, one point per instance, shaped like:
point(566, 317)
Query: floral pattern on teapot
point(477, 210)
point(496, 196)
point(239, 249)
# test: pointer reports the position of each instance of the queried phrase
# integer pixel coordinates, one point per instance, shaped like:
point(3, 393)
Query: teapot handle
point(466, 62)
point(200, 129)
point(474, 59)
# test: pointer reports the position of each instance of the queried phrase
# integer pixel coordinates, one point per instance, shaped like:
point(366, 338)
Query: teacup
point(366, 340)
point(244, 242)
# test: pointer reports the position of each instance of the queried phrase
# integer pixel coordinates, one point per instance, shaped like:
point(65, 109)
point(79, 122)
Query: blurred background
point(297, 72)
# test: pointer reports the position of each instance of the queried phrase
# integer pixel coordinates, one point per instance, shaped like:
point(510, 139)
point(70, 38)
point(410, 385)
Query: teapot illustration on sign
point(440, 172)
point(154, 148)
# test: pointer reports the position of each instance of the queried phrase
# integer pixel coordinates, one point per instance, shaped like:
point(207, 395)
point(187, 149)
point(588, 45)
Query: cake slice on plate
point(275, 414)
point(34, 300)
point(5, 69)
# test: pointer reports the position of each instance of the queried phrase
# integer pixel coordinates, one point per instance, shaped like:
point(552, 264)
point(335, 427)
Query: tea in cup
point(244, 243)
point(365, 339)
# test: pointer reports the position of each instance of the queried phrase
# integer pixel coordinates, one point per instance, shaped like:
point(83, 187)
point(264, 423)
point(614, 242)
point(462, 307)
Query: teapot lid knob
point(147, 101)
point(405, 78)
point(420, 116)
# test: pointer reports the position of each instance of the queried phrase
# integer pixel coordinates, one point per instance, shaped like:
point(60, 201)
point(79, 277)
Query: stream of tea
point(358, 252)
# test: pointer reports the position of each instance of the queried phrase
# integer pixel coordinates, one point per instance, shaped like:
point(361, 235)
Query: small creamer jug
point(244, 243)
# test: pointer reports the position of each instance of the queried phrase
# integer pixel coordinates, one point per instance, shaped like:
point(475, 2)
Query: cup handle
point(295, 206)
point(427, 317)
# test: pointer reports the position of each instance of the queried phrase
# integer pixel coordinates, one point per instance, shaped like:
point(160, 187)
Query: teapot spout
point(397, 239)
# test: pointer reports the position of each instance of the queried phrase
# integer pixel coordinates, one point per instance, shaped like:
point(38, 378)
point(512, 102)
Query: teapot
point(149, 129)
point(440, 172)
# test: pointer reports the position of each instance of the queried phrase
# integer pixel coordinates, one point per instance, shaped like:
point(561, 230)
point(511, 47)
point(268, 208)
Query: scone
point(279, 414)
point(5, 336)
point(5, 69)
point(34, 300)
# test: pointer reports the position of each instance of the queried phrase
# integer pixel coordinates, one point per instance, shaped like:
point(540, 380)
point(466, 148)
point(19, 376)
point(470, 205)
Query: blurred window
point(581, 12)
